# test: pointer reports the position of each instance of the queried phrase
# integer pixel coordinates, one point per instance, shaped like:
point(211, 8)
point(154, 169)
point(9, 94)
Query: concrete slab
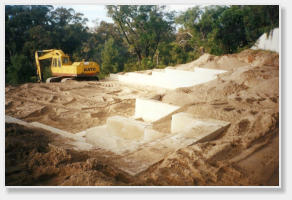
point(100, 137)
point(150, 134)
point(126, 128)
point(169, 78)
point(183, 122)
point(151, 110)
point(202, 129)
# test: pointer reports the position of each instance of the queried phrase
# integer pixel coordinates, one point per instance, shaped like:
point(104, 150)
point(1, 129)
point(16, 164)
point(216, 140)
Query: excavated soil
point(247, 153)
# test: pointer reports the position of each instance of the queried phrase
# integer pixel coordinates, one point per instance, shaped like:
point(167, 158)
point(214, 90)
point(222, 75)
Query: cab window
point(54, 62)
point(65, 61)
point(59, 62)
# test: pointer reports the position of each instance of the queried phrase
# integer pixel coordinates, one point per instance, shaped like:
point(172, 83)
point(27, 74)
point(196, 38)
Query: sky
point(99, 12)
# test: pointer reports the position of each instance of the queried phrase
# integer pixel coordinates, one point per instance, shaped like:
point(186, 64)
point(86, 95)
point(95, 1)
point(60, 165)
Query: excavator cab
point(61, 61)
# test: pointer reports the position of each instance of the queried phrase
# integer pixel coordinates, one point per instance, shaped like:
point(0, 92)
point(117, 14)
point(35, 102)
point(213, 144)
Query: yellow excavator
point(63, 69)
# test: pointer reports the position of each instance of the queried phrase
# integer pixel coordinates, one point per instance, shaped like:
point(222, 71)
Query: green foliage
point(110, 57)
point(231, 30)
point(131, 66)
point(259, 19)
point(18, 70)
point(46, 70)
point(147, 63)
point(143, 28)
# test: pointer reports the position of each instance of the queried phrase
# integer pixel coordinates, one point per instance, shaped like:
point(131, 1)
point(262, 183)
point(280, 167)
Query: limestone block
point(151, 110)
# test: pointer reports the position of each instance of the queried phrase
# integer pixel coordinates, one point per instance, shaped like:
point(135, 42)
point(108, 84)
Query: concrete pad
point(183, 122)
point(100, 137)
point(120, 134)
point(169, 78)
point(126, 128)
point(202, 129)
point(150, 134)
point(207, 72)
point(151, 110)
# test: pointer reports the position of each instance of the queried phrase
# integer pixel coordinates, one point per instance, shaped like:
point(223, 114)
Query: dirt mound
point(37, 157)
point(226, 62)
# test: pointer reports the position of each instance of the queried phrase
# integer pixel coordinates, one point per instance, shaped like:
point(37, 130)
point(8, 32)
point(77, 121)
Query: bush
point(146, 63)
point(19, 71)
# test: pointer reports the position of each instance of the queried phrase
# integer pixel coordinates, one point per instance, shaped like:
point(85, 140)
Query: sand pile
point(38, 157)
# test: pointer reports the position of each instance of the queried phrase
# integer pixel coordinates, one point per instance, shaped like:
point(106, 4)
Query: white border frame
point(102, 2)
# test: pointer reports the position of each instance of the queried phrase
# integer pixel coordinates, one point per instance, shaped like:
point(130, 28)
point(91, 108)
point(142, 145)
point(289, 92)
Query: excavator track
point(65, 79)
point(53, 79)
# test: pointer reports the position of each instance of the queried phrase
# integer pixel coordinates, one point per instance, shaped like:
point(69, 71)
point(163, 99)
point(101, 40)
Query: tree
point(143, 27)
point(110, 57)
point(258, 20)
point(19, 70)
point(200, 24)
point(230, 31)
point(24, 26)
point(68, 30)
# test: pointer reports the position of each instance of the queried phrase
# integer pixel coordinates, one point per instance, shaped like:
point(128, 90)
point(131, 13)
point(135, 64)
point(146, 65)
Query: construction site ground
point(247, 153)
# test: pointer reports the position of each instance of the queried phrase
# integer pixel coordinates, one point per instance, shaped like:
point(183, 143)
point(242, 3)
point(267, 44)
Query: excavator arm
point(37, 61)
point(48, 55)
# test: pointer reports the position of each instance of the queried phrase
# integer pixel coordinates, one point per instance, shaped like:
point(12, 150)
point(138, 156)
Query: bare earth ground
point(246, 154)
